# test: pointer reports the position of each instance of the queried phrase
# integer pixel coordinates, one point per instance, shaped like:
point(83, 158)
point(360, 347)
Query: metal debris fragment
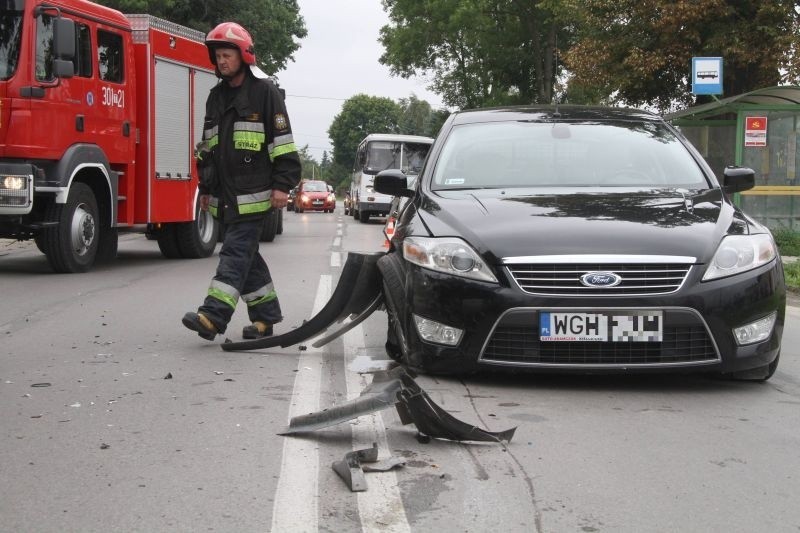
point(351, 469)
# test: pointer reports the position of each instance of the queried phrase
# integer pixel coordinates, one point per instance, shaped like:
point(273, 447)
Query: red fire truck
point(99, 116)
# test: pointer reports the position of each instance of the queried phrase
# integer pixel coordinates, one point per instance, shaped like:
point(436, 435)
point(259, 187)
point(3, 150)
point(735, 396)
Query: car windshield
point(535, 154)
point(10, 40)
point(315, 186)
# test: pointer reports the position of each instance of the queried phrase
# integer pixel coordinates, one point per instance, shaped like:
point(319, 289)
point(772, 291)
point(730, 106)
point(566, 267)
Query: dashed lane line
point(380, 506)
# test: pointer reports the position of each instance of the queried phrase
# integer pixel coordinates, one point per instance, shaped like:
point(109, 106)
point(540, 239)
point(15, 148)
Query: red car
point(314, 195)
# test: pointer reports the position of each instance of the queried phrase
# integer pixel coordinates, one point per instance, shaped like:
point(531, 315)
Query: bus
point(382, 151)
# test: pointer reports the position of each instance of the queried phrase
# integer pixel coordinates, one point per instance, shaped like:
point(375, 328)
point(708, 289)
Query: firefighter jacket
point(247, 149)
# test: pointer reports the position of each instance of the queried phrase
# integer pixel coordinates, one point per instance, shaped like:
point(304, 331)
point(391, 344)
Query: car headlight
point(449, 255)
point(740, 253)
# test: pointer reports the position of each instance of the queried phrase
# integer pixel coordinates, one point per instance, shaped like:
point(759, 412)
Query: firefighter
point(247, 162)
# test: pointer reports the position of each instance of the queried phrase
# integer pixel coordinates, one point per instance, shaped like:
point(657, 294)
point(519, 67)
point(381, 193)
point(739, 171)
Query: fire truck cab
point(99, 116)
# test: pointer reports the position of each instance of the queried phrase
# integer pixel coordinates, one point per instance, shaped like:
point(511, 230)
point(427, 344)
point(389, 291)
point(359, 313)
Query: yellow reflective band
point(248, 140)
point(256, 207)
point(222, 296)
point(212, 142)
point(282, 150)
point(266, 298)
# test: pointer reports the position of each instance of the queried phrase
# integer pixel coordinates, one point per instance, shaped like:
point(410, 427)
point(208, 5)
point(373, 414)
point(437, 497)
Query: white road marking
point(337, 242)
point(336, 259)
point(380, 507)
point(297, 494)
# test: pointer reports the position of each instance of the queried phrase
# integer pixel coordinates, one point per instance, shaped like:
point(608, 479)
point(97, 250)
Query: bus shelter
point(759, 130)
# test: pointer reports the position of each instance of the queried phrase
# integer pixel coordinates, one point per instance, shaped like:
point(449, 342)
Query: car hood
point(315, 194)
point(516, 223)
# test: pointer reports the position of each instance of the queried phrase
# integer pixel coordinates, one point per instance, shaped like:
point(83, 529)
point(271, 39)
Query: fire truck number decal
point(113, 98)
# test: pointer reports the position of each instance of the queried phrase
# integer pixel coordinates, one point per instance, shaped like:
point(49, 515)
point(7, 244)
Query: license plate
point(317, 202)
point(632, 326)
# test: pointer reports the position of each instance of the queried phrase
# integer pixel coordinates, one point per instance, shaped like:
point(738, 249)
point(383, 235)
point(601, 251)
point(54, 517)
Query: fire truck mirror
point(64, 39)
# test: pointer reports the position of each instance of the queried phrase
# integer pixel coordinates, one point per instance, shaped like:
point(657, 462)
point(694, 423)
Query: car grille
point(565, 279)
point(680, 344)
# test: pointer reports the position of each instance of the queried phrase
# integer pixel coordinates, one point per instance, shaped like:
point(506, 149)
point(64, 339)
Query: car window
point(315, 186)
point(525, 154)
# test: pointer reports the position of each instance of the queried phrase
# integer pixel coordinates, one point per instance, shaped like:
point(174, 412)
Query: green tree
point(276, 25)
point(480, 52)
point(360, 116)
point(639, 51)
point(309, 166)
point(417, 117)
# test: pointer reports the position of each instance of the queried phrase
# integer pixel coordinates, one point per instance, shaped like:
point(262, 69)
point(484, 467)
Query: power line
point(317, 97)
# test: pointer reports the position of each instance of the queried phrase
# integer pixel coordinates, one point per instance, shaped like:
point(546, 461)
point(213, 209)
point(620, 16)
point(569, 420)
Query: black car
point(578, 239)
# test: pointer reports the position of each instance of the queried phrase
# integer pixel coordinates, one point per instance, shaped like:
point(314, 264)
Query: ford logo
point(601, 279)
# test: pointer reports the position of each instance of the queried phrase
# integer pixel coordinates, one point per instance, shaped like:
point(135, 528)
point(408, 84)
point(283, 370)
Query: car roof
point(397, 138)
point(550, 113)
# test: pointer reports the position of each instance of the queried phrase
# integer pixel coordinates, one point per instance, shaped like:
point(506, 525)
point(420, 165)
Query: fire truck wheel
point(198, 238)
point(71, 246)
point(168, 241)
point(270, 227)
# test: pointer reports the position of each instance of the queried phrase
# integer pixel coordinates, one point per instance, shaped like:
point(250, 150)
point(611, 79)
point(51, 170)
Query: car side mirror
point(737, 179)
point(392, 182)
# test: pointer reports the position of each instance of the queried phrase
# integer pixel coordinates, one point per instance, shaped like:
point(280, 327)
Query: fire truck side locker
point(175, 78)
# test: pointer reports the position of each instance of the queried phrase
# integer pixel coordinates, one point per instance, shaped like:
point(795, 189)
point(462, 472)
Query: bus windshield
point(10, 42)
point(405, 156)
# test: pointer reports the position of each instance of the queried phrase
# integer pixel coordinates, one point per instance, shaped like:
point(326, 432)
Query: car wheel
point(396, 345)
point(363, 217)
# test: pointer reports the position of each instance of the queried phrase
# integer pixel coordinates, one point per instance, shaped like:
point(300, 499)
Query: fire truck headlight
point(14, 183)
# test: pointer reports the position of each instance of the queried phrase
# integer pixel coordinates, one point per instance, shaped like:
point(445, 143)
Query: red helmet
point(231, 35)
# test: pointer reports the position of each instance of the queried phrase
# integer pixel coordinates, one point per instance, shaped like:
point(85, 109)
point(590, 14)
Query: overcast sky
point(337, 60)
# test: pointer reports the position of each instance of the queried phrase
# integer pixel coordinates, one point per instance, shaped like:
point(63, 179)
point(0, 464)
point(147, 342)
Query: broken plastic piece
point(396, 387)
point(358, 288)
point(385, 465)
point(351, 469)
point(415, 406)
point(378, 395)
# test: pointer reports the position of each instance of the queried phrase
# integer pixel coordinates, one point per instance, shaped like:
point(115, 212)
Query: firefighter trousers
point(241, 273)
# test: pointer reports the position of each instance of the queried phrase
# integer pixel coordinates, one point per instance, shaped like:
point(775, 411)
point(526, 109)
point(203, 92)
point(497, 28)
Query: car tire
point(363, 217)
point(396, 345)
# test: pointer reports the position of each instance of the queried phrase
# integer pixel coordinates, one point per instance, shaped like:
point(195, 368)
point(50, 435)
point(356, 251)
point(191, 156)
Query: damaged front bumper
point(357, 295)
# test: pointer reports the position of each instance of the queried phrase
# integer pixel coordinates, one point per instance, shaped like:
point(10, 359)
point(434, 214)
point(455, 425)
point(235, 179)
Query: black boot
point(256, 330)
point(201, 324)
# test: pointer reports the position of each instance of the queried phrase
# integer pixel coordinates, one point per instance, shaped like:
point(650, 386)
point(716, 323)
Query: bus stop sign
point(706, 75)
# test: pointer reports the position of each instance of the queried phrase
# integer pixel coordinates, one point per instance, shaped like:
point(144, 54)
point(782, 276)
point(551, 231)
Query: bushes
point(788, 242)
